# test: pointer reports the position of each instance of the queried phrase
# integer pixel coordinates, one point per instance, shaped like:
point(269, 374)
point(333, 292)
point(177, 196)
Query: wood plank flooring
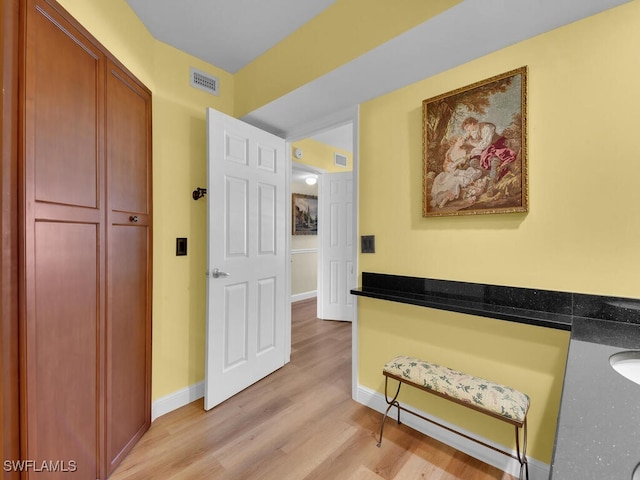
point(299, 423)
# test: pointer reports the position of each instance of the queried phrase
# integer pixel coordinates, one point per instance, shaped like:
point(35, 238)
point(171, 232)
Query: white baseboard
point(175, 400)
point(375, 400)
point(304, 295)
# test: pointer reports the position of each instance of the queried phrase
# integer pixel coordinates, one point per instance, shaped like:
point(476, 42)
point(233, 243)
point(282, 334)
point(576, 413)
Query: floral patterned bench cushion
point(492, 397)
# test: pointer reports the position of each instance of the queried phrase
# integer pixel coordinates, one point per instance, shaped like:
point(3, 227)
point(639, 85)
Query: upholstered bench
point(490, 398)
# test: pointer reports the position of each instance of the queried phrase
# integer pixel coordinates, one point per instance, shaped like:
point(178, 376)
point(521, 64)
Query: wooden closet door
point(62, 268)
point(128, 114)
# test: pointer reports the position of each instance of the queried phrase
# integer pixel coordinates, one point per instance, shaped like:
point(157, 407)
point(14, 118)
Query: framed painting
point(305, 214)
point(475, 148)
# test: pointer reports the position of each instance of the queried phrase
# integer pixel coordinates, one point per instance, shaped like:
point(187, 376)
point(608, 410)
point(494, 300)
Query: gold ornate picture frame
point(475, 148)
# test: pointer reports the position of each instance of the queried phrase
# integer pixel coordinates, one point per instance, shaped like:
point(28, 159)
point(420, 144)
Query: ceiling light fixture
point(311, 180)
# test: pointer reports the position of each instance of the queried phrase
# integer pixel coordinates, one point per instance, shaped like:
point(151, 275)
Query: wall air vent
point(340, 160)
point(204, 81)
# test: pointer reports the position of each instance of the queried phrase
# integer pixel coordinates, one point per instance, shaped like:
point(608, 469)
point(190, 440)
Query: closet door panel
point(63, 381)
point(128, 121)
point(63, 87)
point(128, 117)
point(62, 271)
point(128, 403)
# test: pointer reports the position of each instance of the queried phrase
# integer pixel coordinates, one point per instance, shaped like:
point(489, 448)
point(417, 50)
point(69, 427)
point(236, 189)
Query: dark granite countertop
point(598, 435)
point(543, 308)
point(501, 312)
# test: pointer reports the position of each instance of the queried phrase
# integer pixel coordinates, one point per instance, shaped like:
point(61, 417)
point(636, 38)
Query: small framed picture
point(305, 214)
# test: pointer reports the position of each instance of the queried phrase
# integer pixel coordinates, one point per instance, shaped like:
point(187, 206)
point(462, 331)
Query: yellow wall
point(320, 155)
point(179, 165)
point(528, 358)
point(580, 235)
point(304, 270)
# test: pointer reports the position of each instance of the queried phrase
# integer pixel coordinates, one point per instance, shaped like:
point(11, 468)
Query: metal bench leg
point(522, 456)
point(391, 403)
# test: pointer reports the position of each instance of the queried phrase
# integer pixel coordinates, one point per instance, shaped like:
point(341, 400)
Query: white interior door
point(246, 261)
point(337, 254)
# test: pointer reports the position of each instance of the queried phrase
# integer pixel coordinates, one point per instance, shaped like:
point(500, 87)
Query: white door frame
point(306, 131)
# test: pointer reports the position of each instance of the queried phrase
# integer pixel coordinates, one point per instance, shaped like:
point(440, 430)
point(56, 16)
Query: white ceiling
point(339, 137)
point(231, 33)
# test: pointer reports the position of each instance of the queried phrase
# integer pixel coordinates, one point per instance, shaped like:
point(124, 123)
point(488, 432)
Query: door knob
point(217, 273)
point(133, 218)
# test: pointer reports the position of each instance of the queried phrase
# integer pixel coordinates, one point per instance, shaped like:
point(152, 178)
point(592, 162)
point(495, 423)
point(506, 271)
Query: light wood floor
point(299, 423)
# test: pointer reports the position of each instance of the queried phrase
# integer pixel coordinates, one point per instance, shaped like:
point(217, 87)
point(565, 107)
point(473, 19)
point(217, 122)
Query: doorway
point(345, 129)
point(323, 261)
point(343, 126)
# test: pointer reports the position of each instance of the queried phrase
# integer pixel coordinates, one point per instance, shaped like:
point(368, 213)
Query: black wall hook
point(199, 193)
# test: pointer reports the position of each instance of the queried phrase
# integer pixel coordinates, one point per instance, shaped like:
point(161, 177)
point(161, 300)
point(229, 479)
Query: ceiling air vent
point(340, 160)
point(204, 81)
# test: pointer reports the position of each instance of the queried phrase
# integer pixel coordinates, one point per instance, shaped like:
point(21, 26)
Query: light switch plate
point(181, 247)
point(368, 244)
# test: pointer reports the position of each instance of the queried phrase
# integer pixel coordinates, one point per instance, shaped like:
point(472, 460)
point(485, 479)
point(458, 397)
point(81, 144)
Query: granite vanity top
point(598, 433)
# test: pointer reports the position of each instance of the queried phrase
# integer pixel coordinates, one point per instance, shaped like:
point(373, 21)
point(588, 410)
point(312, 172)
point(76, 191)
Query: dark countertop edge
point(517, 315)
point(545, 308)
